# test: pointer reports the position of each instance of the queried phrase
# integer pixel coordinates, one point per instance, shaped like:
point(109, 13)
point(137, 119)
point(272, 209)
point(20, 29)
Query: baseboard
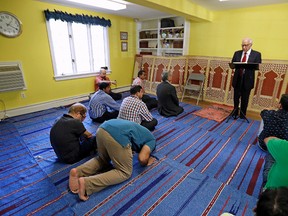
point(46, 105)
point(55, 103)
point(121, 89)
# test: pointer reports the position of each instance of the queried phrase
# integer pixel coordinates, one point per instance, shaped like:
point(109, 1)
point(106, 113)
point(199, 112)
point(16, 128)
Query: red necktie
point(244, 57)
point(243, 60)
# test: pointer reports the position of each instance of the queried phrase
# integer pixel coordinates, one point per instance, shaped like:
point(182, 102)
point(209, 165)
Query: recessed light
point(106, 4)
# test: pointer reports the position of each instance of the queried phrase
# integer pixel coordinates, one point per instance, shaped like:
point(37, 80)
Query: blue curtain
point(84, 19)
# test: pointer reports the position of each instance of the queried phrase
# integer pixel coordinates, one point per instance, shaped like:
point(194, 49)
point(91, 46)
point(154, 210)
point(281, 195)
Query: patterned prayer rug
point(216, 112)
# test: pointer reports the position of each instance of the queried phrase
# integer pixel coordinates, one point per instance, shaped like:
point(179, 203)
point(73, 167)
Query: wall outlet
point(23, 95)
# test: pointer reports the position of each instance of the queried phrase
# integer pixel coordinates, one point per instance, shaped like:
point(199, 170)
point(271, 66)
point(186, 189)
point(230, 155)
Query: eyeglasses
point(83, 115)
point(245, 45)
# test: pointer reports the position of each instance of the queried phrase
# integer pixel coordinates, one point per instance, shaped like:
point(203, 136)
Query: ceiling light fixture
point(106, 4)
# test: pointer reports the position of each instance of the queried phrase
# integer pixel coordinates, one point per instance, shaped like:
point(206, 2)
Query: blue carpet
point(203, 166)
point(165, 188)
point(25, 188)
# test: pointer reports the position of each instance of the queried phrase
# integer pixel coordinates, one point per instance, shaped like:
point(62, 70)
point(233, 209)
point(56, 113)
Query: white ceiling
point(141, 12)
point(234, 4)
point(132, 10)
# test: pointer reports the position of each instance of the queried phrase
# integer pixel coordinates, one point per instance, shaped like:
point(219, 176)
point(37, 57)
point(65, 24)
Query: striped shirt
point(100, 103)
point(135, 110)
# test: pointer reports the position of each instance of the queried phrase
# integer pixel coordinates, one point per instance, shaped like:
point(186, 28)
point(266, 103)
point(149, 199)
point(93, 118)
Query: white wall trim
point(46, 105)
point(121, 89)
point(55, 103)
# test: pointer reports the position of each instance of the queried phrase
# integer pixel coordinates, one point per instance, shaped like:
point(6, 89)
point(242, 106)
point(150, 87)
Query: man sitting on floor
point(168, 103)
point(69, 138)
point(116, 140)
point(278, 175)
point(134, 109)
point(102, 106)
point(275, 124)
point(149, 101)
point(102, 78)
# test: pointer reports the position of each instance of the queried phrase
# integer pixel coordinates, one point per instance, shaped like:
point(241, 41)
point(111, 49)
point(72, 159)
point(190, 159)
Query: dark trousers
point(243, 94)
point(115, 96)
point(269, 161)
point(87, 147)
point(150, 125)
point(106, 116)
point(150, 101)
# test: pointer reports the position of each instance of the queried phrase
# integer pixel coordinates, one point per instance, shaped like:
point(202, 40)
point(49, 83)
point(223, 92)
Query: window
point(78, 50)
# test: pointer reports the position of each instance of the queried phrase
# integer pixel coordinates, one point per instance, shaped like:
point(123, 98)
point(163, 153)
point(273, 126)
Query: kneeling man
point(116, 140)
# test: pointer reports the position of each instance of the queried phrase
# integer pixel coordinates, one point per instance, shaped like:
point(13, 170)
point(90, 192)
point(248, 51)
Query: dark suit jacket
point(168, 103)
point(249, 76)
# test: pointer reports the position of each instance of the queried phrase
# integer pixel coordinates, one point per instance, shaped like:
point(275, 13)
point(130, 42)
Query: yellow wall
point(32, 49)
point(266, 25)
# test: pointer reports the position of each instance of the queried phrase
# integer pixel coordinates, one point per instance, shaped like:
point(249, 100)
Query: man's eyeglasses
point(83, 115)
point(245, 45)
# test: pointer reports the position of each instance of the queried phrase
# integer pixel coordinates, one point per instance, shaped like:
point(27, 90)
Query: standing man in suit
point(168, 103)
point(243, 80)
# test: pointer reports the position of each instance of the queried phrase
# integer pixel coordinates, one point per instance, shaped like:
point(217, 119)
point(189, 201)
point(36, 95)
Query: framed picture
point(124, 46)
point(123, 35)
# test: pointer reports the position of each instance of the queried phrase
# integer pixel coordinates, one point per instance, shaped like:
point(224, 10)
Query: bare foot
point(151, 160)
point(82, 190)
point(73, 181)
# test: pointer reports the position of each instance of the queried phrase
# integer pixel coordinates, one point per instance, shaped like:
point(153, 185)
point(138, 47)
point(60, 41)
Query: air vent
point(11, 76)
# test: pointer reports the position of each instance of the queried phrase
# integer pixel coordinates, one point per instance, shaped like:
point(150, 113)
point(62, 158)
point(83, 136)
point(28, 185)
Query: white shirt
point(247, 55)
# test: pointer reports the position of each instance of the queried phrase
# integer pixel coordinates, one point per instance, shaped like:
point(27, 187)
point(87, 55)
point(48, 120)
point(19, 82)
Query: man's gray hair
point(165, 75)
point(248, 40)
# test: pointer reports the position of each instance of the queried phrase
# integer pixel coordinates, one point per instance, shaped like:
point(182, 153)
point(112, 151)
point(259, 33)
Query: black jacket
point(249, 76)
point(168, 103)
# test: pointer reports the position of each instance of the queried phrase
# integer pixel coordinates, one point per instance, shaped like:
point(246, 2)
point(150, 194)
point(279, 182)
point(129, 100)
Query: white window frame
point(76, 75)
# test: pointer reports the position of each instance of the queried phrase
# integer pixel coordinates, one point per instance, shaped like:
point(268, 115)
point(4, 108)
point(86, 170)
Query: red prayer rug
point(216, 112)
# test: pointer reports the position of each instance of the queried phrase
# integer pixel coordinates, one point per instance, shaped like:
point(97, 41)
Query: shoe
point(242, 116)
point(263, 148)
point(234, 113)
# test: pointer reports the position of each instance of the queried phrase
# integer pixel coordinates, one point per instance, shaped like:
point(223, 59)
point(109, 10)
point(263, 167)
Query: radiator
point(11, 76)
